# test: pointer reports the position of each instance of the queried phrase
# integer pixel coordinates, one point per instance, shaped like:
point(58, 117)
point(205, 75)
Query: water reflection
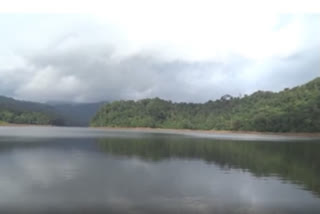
point(298, 162)
point(156, 174)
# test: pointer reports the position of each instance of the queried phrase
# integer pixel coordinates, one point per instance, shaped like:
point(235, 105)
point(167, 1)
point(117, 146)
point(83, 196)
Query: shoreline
point(182, 131)
point(25, 125)
point(198, 131)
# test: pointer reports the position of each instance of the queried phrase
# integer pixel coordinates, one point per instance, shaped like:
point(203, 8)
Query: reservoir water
point(83, 170)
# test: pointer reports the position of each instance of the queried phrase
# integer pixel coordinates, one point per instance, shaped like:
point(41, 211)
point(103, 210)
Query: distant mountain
point(24, 112)
point(76, 114)
point(55, 113)
point(291, 110)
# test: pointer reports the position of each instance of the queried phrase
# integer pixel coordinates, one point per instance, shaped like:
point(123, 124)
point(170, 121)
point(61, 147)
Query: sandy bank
point(160, 130)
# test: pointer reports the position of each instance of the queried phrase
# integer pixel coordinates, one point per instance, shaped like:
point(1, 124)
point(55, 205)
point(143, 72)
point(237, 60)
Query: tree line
point(290, 110)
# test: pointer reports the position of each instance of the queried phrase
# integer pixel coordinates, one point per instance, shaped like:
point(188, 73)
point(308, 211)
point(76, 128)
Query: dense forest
point(22, 112)
point(291, 110)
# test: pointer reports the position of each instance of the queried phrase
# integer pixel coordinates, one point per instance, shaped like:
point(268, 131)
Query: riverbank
point(191, 131)
point(5, 124)
point(2, 123)
point(26, 130)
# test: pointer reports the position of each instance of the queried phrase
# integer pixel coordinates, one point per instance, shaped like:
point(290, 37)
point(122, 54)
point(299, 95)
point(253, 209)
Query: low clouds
point(82, 75)
point(87, 76)
point(89, 63)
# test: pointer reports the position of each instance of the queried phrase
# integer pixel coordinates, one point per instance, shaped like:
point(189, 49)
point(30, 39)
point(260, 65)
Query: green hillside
point(22, 112)
point(291, 110)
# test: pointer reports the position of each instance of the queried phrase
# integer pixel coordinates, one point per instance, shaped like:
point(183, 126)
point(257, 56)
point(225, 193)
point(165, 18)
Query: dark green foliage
point(22, 112)
point(291, 110)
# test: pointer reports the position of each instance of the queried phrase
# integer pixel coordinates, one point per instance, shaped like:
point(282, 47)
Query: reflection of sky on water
point(67, 176)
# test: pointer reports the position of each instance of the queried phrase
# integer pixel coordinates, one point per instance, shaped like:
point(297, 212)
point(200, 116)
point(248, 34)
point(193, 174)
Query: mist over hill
point(57, 113)
point(24, 112)
point(77, 114)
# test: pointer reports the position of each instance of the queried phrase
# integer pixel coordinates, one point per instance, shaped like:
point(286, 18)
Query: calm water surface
point(79, 170)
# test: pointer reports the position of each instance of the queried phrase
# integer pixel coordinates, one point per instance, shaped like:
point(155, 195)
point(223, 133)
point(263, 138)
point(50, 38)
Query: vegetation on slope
point(291, 110)
point(2, 123)
point(22, 112)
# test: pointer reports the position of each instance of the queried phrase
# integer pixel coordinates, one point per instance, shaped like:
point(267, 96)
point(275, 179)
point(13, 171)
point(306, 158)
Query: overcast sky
point(183, 51)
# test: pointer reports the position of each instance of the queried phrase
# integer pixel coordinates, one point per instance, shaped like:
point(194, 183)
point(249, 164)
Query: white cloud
point(181, 51)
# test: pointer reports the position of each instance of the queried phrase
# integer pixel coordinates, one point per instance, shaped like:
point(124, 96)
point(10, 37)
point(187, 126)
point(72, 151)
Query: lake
point(84, 170)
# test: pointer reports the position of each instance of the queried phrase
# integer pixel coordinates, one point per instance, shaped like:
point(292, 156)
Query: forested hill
point(291, 110)
point(23, 112)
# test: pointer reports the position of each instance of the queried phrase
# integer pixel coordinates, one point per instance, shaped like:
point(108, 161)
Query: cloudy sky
point(179, 50)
